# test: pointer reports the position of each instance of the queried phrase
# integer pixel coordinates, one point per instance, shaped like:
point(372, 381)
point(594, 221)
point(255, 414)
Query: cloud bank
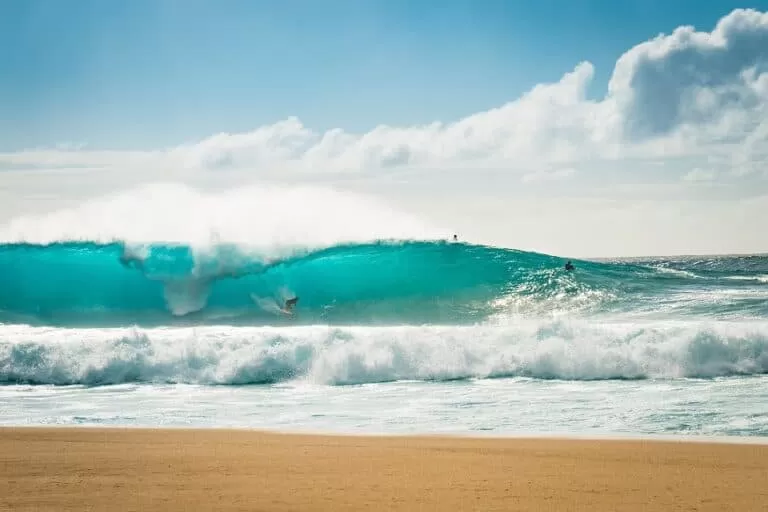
point(675, 95)
point(688, 108)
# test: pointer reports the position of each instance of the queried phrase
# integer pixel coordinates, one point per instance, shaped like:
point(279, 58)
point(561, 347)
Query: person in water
point(290, 304)
point(569, 266)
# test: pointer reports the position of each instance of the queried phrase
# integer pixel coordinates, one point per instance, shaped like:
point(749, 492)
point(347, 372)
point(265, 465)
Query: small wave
point(755, 278)
point(570, 350)
point(676, 272)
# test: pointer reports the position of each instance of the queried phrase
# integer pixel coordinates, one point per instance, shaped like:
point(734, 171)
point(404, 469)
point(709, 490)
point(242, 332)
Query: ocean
point(391, 336)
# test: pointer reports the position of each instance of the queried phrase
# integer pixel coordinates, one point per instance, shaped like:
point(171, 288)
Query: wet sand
point(65, 469)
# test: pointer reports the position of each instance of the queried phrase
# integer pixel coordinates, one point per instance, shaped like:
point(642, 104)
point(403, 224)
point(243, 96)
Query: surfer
point(127, 259)
point(569, 266)
point(455, 238)
point(290, 304)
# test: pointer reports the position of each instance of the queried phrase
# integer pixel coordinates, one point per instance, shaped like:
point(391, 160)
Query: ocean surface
point(387, 336)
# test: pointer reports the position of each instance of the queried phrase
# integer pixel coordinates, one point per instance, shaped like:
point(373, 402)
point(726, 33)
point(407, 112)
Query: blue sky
point(149, 74)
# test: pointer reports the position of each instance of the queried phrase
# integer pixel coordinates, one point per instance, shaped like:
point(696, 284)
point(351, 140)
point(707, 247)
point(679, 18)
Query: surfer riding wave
point(290, 304)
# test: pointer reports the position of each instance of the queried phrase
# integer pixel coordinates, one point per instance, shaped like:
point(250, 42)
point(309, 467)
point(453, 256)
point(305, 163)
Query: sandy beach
point(130, 469)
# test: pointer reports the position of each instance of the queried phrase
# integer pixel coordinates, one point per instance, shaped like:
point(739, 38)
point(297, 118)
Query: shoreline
point(459, 434)
point(133, 468)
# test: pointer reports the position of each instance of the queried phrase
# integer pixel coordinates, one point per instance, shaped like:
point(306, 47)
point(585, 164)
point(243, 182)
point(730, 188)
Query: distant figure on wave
point(569, 266)
point(455, 238)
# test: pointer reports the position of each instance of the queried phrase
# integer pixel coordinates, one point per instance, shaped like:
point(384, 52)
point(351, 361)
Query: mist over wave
point(575, 350)
point(266, 217)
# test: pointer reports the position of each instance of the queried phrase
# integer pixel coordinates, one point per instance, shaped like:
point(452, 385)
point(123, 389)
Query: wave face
point(91, 284)
point(574, 350)
point(68, 283)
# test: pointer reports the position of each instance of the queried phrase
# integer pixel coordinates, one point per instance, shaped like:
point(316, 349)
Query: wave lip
point(573, 350)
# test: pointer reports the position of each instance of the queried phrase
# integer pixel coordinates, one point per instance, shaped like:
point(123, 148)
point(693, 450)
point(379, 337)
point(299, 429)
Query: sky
point(592, 128)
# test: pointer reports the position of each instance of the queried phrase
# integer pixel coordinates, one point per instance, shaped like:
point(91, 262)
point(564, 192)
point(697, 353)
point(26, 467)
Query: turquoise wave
point(83, 283)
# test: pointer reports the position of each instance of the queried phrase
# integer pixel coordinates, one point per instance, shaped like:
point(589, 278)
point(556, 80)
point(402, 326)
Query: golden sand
point(65, 469)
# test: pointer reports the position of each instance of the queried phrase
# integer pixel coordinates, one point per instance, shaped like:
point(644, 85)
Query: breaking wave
point(573, 350)
point(401, 282)
point(394, 282)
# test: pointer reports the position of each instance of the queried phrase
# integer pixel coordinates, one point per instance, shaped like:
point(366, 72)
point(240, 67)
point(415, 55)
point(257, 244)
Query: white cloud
point(673, 95)
point(693, 78)
point(686, 107)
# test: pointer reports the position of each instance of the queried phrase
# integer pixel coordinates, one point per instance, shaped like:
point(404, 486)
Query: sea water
point(389, 335)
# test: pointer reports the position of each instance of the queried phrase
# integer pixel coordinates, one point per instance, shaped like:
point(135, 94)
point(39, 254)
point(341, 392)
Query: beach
point(66, 468)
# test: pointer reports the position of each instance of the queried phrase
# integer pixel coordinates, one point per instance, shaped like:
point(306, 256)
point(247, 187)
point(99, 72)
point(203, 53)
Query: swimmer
point(569, 266)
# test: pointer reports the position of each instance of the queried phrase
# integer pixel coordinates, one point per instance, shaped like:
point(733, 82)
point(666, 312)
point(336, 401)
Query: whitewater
point(162, 306)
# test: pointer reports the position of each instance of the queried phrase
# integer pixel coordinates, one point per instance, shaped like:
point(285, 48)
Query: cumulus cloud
point(692, 77)
point(689, 93)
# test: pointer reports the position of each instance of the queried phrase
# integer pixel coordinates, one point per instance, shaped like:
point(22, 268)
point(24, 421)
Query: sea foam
point(563, 349)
